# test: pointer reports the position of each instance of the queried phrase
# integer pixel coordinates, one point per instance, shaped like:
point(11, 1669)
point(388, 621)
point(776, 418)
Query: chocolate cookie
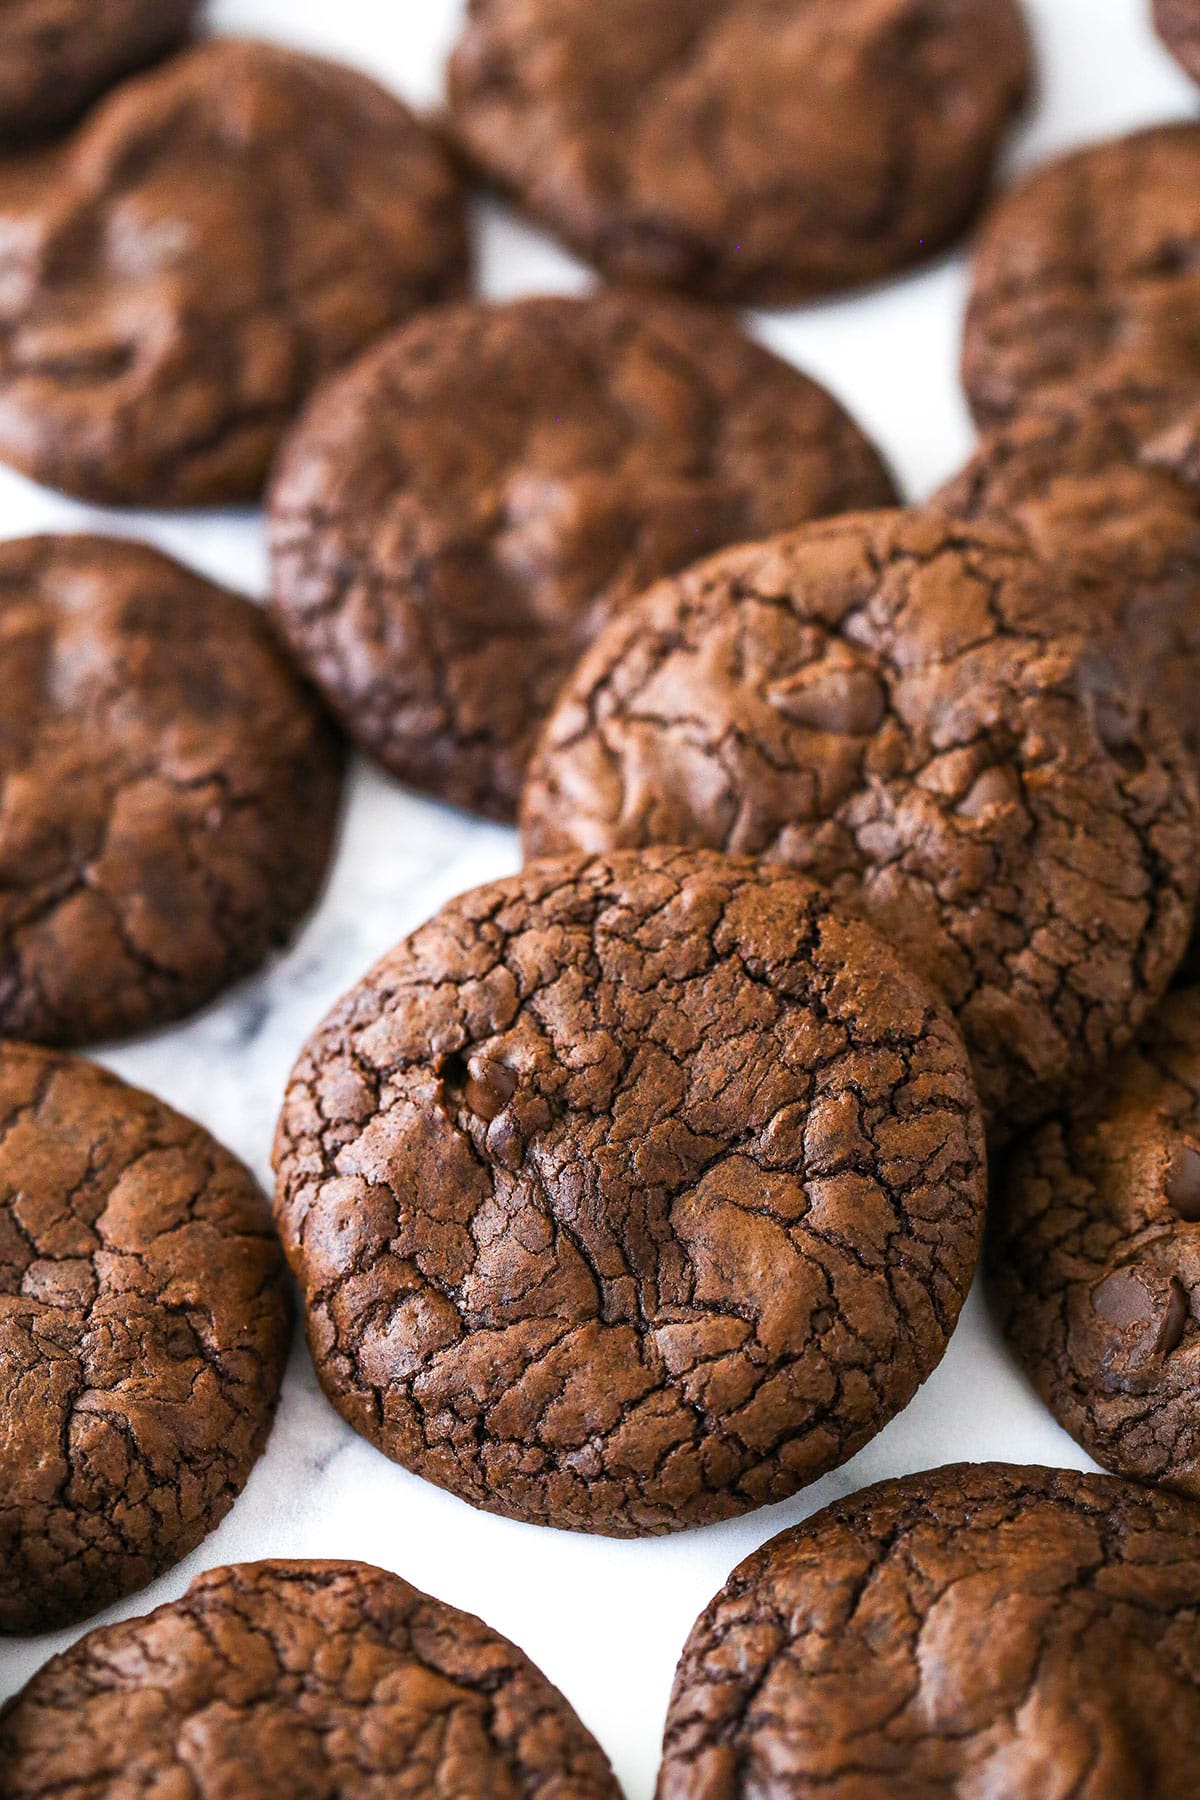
point(168, 790)
point(1178, 23)
point(460, 513)
point(56, 55)
point(1097, 1257)
point(906, 708)
point(1087, 280)
point(143, 1333)
point(1095, 496)
point(979, 1633)
point(215, 237)
point(305, 1679)
point(752, 150)
point(631, 1192)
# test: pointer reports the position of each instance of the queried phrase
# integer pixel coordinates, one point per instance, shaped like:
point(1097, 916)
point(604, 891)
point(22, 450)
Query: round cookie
point(215, 237)
point(143, 1333)
point(1097, 499)
point(458, 515)
point(1096, 1257)
point(973, 1631)
point(631, 1192)
point(1178, 24)
point(750, 150)
point(168, 790)
point(1087, 280)
point(56, 55)
point(310, 1679)
point(905, 707)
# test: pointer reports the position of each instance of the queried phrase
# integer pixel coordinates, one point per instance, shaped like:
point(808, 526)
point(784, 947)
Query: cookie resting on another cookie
point(912, 711)
point(631, 1192)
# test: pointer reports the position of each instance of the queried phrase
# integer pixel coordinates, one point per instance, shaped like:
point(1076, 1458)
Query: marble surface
point(605, 1620)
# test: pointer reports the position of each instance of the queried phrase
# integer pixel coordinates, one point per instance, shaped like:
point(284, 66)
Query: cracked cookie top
point(143, 1333)
point(1098, 499)
point(309, 1679)
point(631, 1192)
point(458, 515)
point(976, 1630)
point(1178, 23)
point(1087, 280)
point(1096, 1257)
point(56, 55)
point(168, 790)
point(749, 150)
point(215, 237)
point(908, 709)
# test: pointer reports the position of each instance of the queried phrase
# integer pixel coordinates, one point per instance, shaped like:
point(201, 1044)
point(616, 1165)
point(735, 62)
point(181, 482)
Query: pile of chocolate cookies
point(642, 1188)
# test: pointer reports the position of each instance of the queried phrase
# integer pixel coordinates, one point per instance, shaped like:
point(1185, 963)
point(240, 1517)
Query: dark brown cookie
point(909, 710)
point(976, 1633)
point(631, 1192)
point(460, 513)
point(310, 1680)
point(1096, 1257)
point(1095, 498)
point(1087, 280)
point(215, 237)
point(168, 790)
point(750, 150)
point(56, 55)
point(143, 1333)
point(1178, 23)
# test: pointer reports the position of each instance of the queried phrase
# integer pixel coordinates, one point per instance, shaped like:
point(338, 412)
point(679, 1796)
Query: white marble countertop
point(605, 1620)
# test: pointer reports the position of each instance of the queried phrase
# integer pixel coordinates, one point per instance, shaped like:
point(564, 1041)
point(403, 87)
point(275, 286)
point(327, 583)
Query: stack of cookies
point(640, 1189)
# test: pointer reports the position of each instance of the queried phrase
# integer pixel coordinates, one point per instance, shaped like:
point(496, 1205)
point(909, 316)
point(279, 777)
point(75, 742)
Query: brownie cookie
point(56, 55)
point(979, 1633)
point(460, 513)
point(1096, 1257)
point(1096, 498)
point(1087, 280)
point(906, 708)
point(749, 150)
point(1178, 23)
point(168, 790)
point(143, 1333)
point(305, 1679)
point(215, 237)
point(631, 1192)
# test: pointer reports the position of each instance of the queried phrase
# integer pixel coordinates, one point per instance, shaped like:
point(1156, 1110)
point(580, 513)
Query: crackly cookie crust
point(168, 790)
point(1096, 1257)
point(910, 709)
point(300, 1678)
point(980, 1629)
point(459, 514)
point(631, 1192)
point(144, 1326)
